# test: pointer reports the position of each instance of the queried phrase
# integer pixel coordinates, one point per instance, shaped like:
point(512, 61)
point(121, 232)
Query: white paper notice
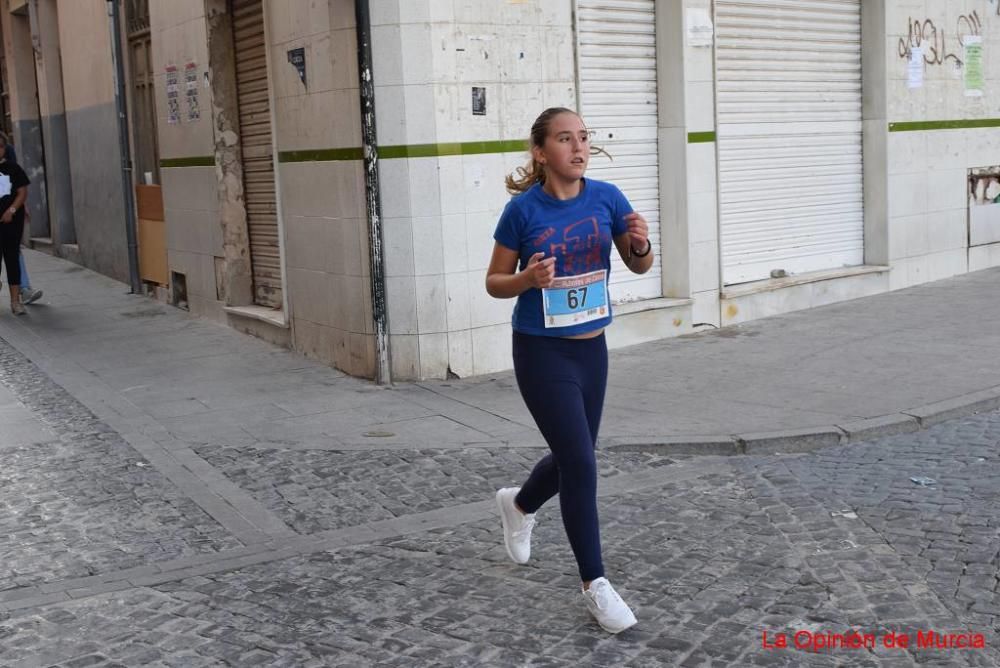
point(915, 68)
point(700, 30)
point(973, 65)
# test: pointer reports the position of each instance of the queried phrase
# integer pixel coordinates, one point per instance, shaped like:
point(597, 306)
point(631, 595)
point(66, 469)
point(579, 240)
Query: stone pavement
point(174, 493)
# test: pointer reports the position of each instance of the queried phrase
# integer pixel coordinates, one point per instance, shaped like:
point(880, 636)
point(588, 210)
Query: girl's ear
point(538, 155)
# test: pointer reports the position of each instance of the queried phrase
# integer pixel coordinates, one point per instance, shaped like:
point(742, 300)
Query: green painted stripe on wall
point(406, 151)
point(915, 126)
point(192, 161)
point(322, 155)
point(445, 149)
point(701, 137)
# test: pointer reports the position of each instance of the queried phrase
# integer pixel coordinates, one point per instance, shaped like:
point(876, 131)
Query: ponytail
point(533, 172)
point(527, 176)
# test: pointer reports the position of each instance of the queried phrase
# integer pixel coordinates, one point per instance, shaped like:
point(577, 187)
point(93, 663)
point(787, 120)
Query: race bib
point(4, 185)
point(573, 300)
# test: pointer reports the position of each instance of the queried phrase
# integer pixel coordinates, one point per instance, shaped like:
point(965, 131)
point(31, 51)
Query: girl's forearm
point(506, 286)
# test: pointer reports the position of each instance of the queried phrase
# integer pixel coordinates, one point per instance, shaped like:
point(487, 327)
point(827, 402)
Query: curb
point(809, 439)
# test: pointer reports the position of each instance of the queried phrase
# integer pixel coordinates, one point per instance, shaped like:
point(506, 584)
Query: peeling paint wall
point(932, 80)
point(187, 145)
point(440, 211)
point(317, 126)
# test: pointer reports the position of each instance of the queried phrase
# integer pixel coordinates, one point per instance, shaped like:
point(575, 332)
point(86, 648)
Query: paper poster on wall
point(700, 30)
point(915, 68)
point(173, 101)
point(297, 57)
point(191, 84)
point(973, 65)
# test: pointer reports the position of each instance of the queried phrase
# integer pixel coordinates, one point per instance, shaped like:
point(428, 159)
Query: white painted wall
point(440, 212)
point(927, 198)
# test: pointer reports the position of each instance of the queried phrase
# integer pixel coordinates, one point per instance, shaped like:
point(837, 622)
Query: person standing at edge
point(13, 192)
point(28, 294)
point(553, 252)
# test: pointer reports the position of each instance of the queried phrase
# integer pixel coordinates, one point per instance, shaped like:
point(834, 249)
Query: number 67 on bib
point(572, 300)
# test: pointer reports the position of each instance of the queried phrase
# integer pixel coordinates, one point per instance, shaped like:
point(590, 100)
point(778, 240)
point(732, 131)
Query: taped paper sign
point(700, 30)
point(973, 65)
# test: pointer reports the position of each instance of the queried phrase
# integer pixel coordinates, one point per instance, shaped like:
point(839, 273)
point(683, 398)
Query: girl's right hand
point(541, 273)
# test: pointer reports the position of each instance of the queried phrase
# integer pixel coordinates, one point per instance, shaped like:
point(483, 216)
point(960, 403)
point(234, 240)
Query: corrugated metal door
point(617, 78)
point(788, 99)
point(258, 155)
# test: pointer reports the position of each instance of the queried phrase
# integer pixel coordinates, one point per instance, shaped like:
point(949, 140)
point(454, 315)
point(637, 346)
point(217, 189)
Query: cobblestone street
point(393, 557)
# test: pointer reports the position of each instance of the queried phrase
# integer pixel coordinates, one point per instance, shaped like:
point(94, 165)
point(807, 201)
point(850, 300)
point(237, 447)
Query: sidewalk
point(886, 364)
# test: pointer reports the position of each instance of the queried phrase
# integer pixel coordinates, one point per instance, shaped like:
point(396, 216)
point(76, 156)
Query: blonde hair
point(534, 172)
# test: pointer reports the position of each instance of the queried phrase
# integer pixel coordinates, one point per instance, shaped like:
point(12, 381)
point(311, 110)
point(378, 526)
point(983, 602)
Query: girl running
point(553, 252)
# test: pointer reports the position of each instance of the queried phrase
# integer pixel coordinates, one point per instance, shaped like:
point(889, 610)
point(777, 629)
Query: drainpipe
point(114, 22)
point(373, 197)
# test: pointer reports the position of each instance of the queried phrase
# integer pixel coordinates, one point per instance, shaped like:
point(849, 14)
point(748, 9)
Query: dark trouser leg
point(10, 242)
point(562, 382)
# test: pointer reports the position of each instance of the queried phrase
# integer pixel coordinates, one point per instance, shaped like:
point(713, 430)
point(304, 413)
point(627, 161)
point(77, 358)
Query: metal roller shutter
point(617, 73)
point(255, 142)
point(788, 99)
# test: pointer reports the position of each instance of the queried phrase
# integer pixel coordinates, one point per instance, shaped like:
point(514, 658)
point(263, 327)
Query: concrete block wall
point(92, 136)
point(188, 173)
point(701, 252)
point(442, 195)
point(928, 168)
point(322, 195)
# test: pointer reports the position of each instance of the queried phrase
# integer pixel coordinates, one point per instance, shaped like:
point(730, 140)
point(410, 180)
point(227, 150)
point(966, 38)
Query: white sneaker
point(30, 296)
point(516, 526)
point(607, 606)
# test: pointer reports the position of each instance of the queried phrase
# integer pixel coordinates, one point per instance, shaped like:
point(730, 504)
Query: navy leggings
point(563, 381)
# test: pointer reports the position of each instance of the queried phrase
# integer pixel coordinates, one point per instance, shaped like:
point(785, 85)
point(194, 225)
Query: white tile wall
point(947, 189)
point(491, 349)
point(947, 264)
point(401, 297)
point(460, 352)
point(984, 257)
point(432, 307)
point(485, 311)
point(397, 239)
point(704, 266)
point(395, 175)
point(433, 355)
point(703, 217)
point(479, 228)
point(705, 307)
point(428, 246)
point(455, 257)
point(459, 295)
point(947, 230)
point(425, 192)
point(405, 355)
point(907, 194)
point(416, 39)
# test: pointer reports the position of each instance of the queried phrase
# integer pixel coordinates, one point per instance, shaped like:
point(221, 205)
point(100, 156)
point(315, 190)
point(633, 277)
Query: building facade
point(786, 154)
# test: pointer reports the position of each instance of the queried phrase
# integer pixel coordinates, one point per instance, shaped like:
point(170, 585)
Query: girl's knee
point(582, 466)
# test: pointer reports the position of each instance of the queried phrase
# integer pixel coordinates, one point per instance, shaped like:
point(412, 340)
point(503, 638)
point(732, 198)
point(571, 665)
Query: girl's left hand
point(638, 231)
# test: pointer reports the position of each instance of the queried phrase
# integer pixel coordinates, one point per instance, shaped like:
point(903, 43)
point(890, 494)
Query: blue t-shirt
point(578, 232)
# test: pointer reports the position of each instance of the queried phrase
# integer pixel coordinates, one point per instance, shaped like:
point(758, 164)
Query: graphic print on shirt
point(579, 294)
